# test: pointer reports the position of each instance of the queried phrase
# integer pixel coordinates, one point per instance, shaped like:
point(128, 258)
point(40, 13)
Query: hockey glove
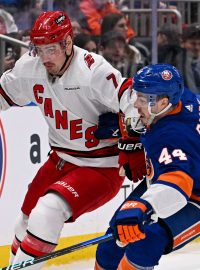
point(108, 127)
point(128, 224)
point(131, 159)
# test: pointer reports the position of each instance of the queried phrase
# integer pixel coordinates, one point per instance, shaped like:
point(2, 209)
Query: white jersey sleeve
point(165, 200)
point(13, 85)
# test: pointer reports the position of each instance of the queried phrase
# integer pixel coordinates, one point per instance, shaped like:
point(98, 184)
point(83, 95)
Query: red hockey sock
point(36, 247)
point(15, 245)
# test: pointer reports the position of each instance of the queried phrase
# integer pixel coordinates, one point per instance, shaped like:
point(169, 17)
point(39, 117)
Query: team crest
point(150, 169)
point(166, 75)
point(2, 158)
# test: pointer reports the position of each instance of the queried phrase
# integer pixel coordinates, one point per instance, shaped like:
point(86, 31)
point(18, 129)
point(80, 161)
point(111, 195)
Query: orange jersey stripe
point(195, 197)
point(125, 265)
point(187, 234)
point(180, 179)
point(97, 266)
point(177, 109)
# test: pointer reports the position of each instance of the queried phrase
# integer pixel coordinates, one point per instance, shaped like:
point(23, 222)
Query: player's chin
point(143, 119)
point(51, 70)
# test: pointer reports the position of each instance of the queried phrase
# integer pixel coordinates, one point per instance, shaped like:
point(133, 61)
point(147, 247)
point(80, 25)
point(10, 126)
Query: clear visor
point(141, 99)
point(46, 50)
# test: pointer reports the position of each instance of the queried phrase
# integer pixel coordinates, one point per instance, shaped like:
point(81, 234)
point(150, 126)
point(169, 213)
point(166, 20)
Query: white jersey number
point(166, 158)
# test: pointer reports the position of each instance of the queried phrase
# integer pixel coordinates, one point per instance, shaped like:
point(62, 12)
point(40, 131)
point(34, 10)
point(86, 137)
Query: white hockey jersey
point(71, 104)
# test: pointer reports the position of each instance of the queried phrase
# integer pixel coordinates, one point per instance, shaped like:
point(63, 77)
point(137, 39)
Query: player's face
point(146, 104)
point(141, 104)
point(52, 56)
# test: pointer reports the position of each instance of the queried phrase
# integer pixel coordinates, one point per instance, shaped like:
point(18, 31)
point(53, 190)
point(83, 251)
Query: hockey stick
point(59, 252)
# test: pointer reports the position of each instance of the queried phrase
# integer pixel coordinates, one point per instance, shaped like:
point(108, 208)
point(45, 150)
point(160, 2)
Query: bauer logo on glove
point(131, 159)
point(128, 223)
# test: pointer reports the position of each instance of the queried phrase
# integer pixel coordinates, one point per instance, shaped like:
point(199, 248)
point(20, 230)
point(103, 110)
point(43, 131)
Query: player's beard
point(51, 68)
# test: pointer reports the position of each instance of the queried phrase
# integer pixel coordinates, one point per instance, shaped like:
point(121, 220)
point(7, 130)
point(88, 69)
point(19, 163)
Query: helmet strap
point(153, 115)
point(67, 57)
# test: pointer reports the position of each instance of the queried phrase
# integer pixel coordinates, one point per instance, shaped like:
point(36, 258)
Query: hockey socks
point(33, 247)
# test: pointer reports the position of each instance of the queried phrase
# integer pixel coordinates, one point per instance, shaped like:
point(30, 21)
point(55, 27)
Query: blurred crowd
point(100, 26)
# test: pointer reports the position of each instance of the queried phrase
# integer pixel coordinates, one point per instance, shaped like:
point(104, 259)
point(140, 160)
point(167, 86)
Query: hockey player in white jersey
point(72, 88)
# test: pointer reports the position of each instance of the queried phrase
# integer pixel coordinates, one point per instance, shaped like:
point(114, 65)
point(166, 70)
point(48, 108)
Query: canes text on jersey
point(61, 119)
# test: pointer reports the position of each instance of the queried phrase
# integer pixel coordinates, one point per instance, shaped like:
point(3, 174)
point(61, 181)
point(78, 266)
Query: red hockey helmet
point(50, 27)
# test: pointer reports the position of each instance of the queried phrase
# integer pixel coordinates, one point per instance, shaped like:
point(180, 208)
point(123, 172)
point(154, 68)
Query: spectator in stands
point(113, 48)
point(115, 22)
point(169, 45)
point(35, 11)
point(191, 39)
point(7, 23)
point(118, 23)
point(76, 27)
point(183, 55)
point(22, 15)
point(11, 6)
point(58, 4)
point(191, 42)
point(94, 11)
point(126, 4)
point(13, 52)
point(8, 27)
point(10, 2)
point(170, 50)
point(86, 42)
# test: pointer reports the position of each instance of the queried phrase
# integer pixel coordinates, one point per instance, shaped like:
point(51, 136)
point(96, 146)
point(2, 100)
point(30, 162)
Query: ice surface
point(187, 258)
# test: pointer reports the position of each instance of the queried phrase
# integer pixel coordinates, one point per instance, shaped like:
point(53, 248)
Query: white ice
point(187, 258)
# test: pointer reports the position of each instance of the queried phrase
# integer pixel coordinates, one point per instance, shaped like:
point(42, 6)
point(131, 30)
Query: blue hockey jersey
point(172, 148)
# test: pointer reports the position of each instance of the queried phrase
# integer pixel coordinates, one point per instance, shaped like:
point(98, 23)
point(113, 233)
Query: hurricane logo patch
point(166, 75)
point(3, 157)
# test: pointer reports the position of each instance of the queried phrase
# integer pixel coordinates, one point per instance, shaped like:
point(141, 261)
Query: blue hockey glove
point(108, 127)
point(111, 126)
point(128, 223)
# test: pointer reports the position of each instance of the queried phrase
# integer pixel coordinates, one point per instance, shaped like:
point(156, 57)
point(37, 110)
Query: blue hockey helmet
point(160, 79)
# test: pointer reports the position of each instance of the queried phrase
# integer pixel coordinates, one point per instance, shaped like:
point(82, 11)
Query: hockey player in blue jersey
point(163, 213)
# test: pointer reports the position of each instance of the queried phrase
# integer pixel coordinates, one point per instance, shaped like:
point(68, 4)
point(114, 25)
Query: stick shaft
point(59, 252)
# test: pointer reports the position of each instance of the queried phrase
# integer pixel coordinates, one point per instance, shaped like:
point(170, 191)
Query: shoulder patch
point(89, 60)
